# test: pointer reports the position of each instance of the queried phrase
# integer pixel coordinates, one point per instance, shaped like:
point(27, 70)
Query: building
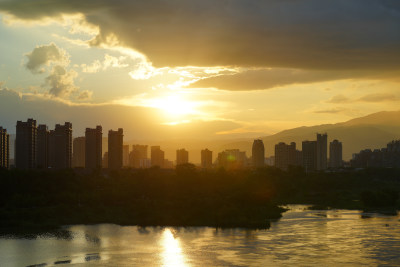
point(78, 152)
point(309, 149)
point(157, 156)
point(4, 148)
point(93, 148)
point(322, 151)
point(335, 154)
point(206, 159)
point(388, 157)
point(115, 149)
point(258, 154)
point(25, 144)
point(270, 161)
point(285, 155)
point(125, 155)
point(42, 159)
point(168, 164)
point(60, 143)
point(232, 159)
point(182, 156)
point(138, 157)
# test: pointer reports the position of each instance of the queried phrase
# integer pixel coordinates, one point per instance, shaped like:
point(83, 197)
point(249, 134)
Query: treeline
point(185, 196)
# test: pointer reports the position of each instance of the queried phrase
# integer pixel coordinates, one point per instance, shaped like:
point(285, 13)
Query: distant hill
point(372, 131)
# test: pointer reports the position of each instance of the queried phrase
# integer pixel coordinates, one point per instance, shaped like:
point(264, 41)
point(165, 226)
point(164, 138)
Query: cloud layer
point(307, 34)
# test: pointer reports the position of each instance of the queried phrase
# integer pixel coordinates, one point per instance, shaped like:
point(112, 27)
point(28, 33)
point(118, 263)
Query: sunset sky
point(197, 69)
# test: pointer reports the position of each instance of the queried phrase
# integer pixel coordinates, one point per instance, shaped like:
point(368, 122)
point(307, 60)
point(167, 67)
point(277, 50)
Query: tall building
point(322, 151)
point(258, 153)
point(4, 149)
point(42, 160)
point(78, 152)
point(206, 159)
point(138, 156)
point(115, 146)
point(93, 147)
point(232, 159)
point(52, 149)
point(335, 154)
point(61, 146)
point(157, 156)
point(25, 144)
point(182, 156)
point(286, 155)
point(309, 155)
point(125, 155)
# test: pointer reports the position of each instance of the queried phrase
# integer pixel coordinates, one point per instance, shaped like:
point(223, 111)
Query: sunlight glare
point(172, 255)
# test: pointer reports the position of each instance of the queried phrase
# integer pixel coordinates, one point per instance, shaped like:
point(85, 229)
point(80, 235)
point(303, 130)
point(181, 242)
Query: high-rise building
point(309, 155)
point(138, 157)
point(206, 159)
point(78, 152)
point(25, 144)
point(322, 151)
point(93, 147)
point(182, 156)
point(335, 154)
point(42, 160)
point(115, 146)
point(4, 148)
point(60, 143)
point(157, 156)
point(232, 159)
point(285, 155)
point(125, 155)
point(258, 154)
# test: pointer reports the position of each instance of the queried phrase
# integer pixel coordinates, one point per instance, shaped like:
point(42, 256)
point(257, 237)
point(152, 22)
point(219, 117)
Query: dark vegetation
point(184, 197)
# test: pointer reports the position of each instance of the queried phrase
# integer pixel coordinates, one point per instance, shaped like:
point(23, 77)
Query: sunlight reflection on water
point(301, 237)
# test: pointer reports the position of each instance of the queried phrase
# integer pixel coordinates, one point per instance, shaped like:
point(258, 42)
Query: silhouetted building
point(309, 149)
point(270, 161)
point(168, 164)
point(4, 148)
point(258, 153)
point(78, 152)
point(60, 145)
point(206, 159)
point(157, 156)
point(25, 144)
point(232, 159)
point(115, 144)
point(322, 151)
point(388, 157)
point(105, 160)
point(182, 156)
point(93, 147)
point(285, 155)
point(138, 157)
point(42, 160)
point(125, 155)
point(335, 154)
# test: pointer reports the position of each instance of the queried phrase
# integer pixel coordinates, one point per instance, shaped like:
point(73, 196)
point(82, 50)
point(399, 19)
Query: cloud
point(338, 99)
point(85, 95)
point(330, 111)
point(108, 62)
point(309, 34)
point(378, 98)
point(258, 79)
point(46, 55)
point(61, 81)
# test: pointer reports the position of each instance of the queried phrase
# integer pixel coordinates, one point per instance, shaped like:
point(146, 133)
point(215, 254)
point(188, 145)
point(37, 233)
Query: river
point(301, 237)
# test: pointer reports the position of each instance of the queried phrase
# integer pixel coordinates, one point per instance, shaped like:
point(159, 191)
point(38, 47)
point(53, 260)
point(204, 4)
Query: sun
point(174, 105)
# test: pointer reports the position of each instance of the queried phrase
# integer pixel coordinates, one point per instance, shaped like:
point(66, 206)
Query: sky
point(182, 69)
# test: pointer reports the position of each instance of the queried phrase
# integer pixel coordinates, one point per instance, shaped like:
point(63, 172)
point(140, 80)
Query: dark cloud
point(307, 34)
point(330, 111)
point(270, 78)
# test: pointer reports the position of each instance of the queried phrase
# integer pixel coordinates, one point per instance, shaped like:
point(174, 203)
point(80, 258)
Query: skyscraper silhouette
point(61, 146)
point(285, 155)
point(4, 148)
point(25, 150)
point(309, 155)
point(322, 151)
point(78, 152)
point(157, 156)
point(335, 154)
point(93, 148)
point(42, 161)
point(115, 153)
point(206, 159)
point(258, 153)
point(138, 156)
point(182, 156)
